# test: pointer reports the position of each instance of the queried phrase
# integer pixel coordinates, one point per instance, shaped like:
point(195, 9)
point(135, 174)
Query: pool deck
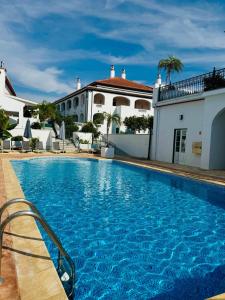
point(27, 269)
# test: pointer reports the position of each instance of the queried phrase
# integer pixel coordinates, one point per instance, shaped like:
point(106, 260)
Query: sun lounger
point(16, 145)
point(6, 146)
point(26, 146)
point(39, 147)
point(56, 147)
point(95, 148)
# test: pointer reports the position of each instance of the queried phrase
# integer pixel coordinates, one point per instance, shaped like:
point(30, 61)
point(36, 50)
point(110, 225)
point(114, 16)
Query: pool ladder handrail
point(34, 212)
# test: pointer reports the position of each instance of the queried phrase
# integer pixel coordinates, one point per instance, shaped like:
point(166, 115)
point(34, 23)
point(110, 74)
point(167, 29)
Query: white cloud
point(194, 32)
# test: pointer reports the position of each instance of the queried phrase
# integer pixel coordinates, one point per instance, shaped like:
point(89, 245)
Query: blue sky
point(47, 44)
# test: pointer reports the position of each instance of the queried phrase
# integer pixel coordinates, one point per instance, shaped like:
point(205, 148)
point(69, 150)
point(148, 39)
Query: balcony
point(127, 111)
point(195, 85)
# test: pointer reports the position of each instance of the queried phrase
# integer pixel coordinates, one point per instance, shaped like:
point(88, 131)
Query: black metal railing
point(198, 84)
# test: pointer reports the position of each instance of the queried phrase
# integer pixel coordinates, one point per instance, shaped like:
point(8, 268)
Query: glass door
point(179, 146)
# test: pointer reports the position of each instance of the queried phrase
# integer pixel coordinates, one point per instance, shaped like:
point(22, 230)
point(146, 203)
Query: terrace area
point(194, 85)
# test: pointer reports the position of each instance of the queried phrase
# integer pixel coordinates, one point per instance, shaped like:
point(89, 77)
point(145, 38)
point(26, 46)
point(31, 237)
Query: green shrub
point(33, 143)
point(90, 127)
point(215, 81)
point(83, 141)
point(17, 138)
point(36, 125)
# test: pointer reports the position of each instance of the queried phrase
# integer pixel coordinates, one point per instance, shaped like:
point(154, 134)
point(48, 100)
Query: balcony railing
point(195, 85)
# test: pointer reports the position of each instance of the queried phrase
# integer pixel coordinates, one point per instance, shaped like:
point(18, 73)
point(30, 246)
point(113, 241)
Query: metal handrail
point(15, 201)
point(36, 215)
point(193, 85)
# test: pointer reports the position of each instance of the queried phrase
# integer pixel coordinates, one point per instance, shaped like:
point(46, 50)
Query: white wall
point(214, 105)
point(44, 135)
point(167, 120)
point(83, 136)
point(135, 145)
point(89, 108)
point(123, 111)
point(12, 103)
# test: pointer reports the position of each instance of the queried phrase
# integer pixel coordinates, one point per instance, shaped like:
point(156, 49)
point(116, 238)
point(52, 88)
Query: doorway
point(179, 146)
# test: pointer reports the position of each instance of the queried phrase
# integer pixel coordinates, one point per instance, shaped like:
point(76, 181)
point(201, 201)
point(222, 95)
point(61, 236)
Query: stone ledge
point(36, 275)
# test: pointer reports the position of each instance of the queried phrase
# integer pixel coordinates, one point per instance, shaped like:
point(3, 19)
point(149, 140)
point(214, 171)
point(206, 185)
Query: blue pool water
point(133, 233)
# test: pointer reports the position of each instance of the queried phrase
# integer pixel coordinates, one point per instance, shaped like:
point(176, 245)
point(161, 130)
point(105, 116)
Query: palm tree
point(48, 111)
point(170, 65)
point(110, 118)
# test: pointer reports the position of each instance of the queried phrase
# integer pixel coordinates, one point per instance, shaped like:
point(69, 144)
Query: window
point(98, 118)
point(99, 99)
point(58, 107)
point(82, 99)
point(118, 101)
point(63, 106)
point(142, 104)
point(68, 104)
point(81, 118)
point(75, 102)
point(75, 118)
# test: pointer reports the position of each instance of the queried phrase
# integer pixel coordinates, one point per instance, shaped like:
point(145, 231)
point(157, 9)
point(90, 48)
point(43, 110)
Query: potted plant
point(84, 145)
point(214, 81)
point(34, 143)
point(108, 151)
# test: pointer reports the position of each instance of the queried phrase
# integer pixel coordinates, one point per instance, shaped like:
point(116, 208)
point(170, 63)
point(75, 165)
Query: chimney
point(158, 81)
point(78, 84)
point(123, 74)
point(112, 71)
point(2, 77)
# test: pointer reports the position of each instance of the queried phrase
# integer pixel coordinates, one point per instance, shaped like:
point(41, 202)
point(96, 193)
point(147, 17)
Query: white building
point(189, 122)
point(17, 109)
point(113, 95)
point(14, 106)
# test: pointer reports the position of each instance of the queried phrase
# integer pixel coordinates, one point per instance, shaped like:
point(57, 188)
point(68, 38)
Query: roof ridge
point(122, 82)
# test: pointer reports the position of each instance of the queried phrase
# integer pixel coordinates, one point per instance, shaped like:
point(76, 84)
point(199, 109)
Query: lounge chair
point(6, 146)
point(39, 147)
point(95, 148)
point(56, 147)
point(26, 146)
point(16, 145)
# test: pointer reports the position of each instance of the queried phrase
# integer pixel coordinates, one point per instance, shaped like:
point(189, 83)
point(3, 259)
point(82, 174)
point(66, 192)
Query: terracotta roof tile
point(123, 83)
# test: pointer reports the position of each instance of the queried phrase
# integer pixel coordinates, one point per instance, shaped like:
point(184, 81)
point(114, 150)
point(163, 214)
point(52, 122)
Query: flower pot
point(85, 147)
point(107, 152)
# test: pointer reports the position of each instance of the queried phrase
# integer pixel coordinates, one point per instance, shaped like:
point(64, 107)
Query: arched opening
point(75, 118)
point(142, 104)
point(98, 118)
point(63, 106)
point(82, 99)
point(81, 118)
point(27, 111)
point(75, 102)
point(217, 145)
point(99, 99)
point(68, 104)
point(118, 101)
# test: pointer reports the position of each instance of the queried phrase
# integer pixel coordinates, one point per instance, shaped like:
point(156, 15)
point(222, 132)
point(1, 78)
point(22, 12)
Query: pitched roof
point(9, 85)
point(122, 83)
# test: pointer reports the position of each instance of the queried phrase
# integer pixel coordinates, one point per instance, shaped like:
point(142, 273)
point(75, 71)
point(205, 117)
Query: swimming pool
point(133, 233)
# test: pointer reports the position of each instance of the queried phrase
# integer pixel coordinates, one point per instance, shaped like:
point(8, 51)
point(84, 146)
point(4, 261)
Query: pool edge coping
point(42, 276)
point(179, 173)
